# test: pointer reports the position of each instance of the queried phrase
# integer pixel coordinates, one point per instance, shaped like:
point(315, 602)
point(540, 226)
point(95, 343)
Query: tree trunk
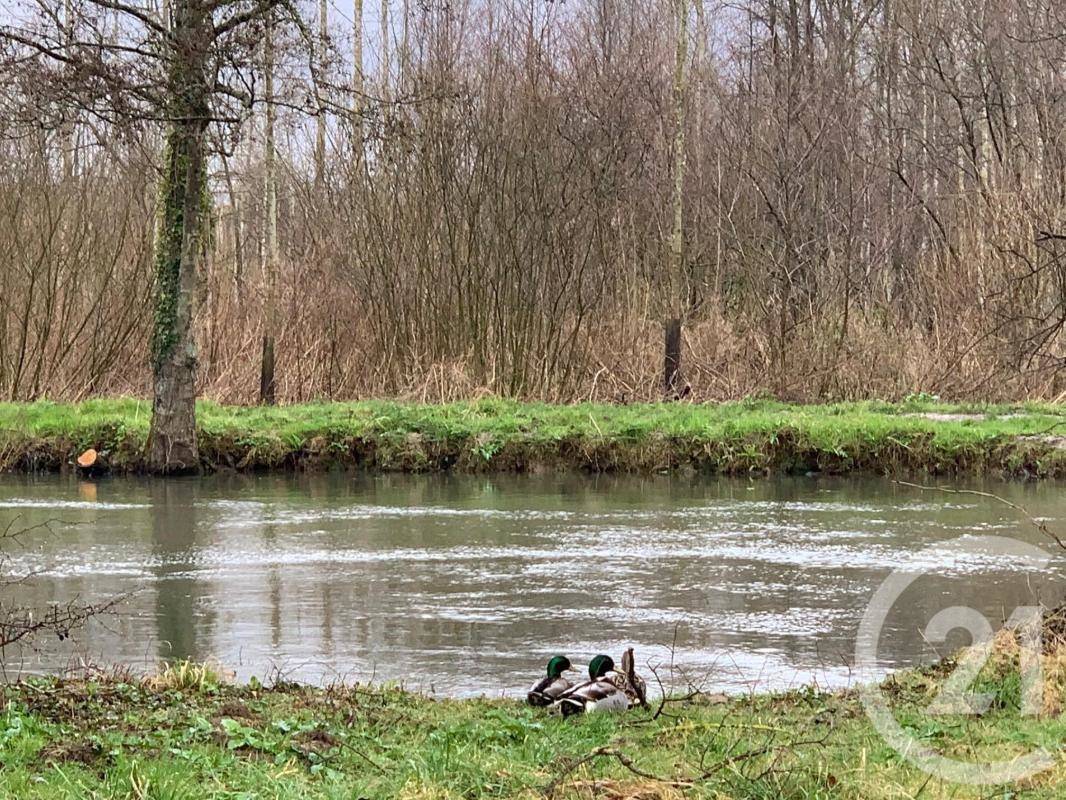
point(66, 134)
point(672, 359)
point(179, 246)
point(267, 393)
point(358, 87)
point(236, 221)
point(320, 120)
point(405, 44)
point(385, 66)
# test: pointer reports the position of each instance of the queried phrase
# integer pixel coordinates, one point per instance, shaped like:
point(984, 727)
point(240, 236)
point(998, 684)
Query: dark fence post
point(672, 361)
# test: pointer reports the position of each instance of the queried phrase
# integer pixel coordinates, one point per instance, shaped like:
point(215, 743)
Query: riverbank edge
point(116, 734)
point(754, 437)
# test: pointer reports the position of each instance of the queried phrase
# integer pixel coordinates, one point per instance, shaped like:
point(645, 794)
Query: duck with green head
point(553, 685)
point(602, 692)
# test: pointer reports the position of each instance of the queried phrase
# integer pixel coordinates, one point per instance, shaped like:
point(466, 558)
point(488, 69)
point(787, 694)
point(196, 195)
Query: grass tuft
point(186, 676)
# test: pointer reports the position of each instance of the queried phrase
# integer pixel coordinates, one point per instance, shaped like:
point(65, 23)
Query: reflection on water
point(414, 578)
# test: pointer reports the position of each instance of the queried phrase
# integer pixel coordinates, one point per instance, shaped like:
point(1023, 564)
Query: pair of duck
point(607, 689)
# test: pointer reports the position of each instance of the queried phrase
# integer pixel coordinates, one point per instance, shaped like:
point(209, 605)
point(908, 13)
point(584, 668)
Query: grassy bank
point(758, 436)
point(184, 735)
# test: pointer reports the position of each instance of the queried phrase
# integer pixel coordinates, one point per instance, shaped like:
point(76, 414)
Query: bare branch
point(1040, 525)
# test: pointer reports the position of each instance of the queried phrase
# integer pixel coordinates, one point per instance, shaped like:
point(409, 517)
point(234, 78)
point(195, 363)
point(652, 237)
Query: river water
point(465, 585)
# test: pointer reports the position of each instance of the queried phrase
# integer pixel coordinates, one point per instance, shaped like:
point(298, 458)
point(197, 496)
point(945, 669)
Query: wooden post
point(672, 360)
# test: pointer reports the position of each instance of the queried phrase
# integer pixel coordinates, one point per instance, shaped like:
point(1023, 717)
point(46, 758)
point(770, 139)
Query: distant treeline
point(873, 203)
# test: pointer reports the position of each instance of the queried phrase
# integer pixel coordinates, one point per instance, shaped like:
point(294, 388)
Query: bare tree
point(320, 118)
point(267, 387)
point(358, 81)
point(672, 360)
point(188, 71)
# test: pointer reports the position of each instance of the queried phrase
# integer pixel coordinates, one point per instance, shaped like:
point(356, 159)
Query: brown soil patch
point(235, 709)
point(318, 740)
point(75, 752)
point(1054, 442)
point(606, 789)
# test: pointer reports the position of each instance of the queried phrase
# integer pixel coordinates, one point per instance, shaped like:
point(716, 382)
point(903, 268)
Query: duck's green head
point(557, 665)
point(600, 666)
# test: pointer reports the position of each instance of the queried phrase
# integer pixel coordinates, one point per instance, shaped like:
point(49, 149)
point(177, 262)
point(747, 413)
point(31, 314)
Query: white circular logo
point(955, 697)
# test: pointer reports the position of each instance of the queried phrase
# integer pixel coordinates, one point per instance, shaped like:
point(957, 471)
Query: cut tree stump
point(92, 462)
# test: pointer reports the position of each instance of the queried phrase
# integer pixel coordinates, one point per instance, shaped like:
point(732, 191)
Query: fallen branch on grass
point(776, 751)
point(606, 752)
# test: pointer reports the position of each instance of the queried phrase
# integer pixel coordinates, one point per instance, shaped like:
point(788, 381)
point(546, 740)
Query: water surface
point(465, 585)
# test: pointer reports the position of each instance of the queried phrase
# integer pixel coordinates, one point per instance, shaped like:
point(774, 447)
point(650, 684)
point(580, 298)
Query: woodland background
point(477, 197)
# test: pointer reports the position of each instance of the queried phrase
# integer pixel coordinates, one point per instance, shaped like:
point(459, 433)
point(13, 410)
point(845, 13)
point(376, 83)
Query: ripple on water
point(88, 505)
point(625, 558)
point(361, 512)
point(712, 511)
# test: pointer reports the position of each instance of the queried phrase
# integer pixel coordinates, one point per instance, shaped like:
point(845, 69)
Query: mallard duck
point(634, 686)
point(601, 692)
point(549, 688)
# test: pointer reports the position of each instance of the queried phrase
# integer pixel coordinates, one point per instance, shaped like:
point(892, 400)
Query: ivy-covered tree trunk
point(172, 446)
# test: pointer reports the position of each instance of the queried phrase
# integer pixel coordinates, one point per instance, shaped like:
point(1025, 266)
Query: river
point(463, 585)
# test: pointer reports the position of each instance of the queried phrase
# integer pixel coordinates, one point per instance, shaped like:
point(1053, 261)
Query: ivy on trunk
point(184, 207)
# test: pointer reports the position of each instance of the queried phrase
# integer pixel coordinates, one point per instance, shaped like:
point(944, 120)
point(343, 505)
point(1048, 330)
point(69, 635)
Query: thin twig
point(760, 751)
point(606, 752)
point(776, 750)
point(1040, 526)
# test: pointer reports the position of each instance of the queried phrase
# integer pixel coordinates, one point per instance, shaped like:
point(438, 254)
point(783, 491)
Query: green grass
point(173, 738)
point(493, 434)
